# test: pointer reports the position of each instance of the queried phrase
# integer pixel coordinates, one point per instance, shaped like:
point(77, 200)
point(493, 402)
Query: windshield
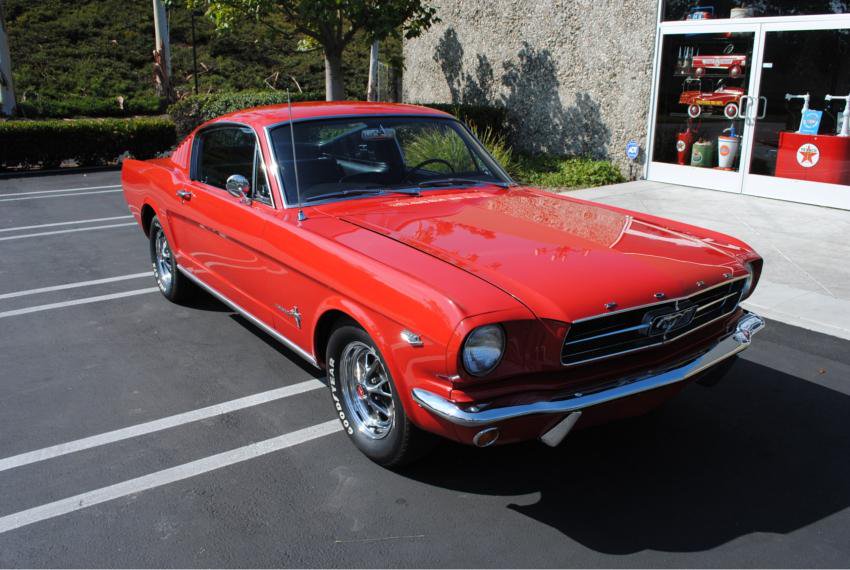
point(342, 158)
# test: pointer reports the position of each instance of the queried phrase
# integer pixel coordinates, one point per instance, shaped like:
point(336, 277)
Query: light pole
point(7, 86)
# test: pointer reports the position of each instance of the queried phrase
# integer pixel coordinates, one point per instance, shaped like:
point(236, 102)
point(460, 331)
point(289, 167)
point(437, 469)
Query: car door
point(219, 234)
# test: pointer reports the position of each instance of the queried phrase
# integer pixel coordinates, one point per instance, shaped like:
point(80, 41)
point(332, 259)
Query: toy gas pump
point(843, 129)
point(805, 97)
point(727, 148)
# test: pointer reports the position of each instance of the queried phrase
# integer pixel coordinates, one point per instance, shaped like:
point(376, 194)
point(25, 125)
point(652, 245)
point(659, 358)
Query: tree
point(7, 86)
point(329, 25)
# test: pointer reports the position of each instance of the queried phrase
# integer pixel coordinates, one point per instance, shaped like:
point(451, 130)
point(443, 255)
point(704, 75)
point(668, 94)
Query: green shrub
point(483, 117)
point(90, 107)
point(90, 142)
point(497, 145)
point(559, 172)
point(191, 111)
point(438, 144)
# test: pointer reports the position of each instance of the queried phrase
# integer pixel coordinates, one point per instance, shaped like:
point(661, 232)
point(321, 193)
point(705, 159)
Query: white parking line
point(58, 195)
point(60, 190)
point(158, 425)
point(166, 476)
point(71, 231)
point(74, 302)
point(75, 222)
point(64, 286)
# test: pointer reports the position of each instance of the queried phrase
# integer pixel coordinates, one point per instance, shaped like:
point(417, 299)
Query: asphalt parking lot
point(135, 433)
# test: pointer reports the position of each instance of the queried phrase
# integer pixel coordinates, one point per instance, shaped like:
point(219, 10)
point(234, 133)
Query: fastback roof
point(260, 117)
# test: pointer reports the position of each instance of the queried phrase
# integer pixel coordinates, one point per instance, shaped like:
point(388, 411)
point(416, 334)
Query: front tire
point(173, 284)
point(367, 402)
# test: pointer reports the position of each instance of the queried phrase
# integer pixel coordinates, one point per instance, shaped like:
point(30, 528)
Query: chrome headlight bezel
point(489, 338)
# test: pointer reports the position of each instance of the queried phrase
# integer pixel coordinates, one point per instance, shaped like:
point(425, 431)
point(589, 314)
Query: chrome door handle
point(762, 107)
point(184, 194)
point(742, 114)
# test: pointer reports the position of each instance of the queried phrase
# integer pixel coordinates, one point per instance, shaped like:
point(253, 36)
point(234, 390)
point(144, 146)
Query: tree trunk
point(372, 88)
point(334, 86)
point(7, 86)
point(162, 52)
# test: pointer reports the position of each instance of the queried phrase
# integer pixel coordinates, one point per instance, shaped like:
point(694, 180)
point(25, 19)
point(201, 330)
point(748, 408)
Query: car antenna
point(301, 216)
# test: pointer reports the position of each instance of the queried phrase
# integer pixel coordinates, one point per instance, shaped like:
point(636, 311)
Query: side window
point(224, 152)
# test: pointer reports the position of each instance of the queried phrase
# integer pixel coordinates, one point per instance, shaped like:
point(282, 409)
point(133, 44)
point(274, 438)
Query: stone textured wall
point(574, 75)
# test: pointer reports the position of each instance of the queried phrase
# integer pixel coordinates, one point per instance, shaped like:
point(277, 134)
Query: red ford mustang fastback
point(383, 244)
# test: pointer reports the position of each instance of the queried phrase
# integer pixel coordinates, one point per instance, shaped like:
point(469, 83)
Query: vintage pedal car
point(732, 64)
point(383, 244)
point(699, 101)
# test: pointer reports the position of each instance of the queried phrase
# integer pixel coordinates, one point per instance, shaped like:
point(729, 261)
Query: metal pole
point(7, 85)
point(194, 55)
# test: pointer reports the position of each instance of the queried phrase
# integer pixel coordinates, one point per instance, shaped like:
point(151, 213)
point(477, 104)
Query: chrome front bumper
point(747, 326)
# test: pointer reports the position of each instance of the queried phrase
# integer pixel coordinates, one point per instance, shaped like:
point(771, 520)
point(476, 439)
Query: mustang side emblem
point(293, 312)
point(668, 320)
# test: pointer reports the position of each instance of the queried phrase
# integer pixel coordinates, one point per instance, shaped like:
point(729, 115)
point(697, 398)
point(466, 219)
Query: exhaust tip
point(486, 437)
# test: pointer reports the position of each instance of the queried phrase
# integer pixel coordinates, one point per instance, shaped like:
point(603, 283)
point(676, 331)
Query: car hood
point(565, 259)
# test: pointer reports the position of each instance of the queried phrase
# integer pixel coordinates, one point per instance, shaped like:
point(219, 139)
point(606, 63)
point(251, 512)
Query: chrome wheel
point(367, 390)
point(164, 263)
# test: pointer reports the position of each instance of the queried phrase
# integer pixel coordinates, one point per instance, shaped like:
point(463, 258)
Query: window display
point(716, 9)
point(805, 86)
point(702, 89)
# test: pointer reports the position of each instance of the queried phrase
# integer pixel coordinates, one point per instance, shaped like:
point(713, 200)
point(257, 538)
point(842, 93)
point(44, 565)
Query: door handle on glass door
point(762, 107)
point(184, 194)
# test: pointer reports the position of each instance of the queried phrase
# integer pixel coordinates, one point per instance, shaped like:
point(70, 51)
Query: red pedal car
point(698, 101)
point(383, 244)
point(733, 64)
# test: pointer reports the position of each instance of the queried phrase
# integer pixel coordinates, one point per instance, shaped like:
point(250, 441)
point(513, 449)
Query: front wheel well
point(327, 324)
point(147, 216)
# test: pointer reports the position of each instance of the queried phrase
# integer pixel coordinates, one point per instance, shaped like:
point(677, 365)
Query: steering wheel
point(431, 161)
point(426, 162)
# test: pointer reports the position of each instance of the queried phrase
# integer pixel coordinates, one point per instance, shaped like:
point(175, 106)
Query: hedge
point(74, 106)
point(191, 111)
point(89, 142)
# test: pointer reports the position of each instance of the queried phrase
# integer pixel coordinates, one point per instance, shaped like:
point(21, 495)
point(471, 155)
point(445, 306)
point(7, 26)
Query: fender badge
point(660, 295)
point(411, 338)
point(700, 283)
point(610, 306)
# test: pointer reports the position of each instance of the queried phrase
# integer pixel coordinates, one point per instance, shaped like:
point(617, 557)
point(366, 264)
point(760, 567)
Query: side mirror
point(238, 186)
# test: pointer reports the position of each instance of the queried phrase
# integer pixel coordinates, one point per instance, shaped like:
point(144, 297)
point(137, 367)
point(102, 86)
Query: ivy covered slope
point(75, 57)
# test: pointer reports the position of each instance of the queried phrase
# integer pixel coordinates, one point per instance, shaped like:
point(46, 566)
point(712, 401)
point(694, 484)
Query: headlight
point(748, 283)
point(483, 349)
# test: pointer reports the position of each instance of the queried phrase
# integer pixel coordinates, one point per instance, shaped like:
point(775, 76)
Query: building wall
point(574, 75)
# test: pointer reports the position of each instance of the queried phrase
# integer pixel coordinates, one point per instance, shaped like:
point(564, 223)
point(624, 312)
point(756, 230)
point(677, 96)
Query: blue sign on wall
point(632, 149)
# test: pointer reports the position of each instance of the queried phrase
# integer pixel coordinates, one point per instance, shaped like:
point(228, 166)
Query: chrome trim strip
point(656, 345)
point(254, 320)
point(720, 300)
point(748, 325)
point(603, 335)
point(665, 301)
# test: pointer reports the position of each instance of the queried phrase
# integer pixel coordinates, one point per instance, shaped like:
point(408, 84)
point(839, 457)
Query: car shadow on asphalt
point(763, 451)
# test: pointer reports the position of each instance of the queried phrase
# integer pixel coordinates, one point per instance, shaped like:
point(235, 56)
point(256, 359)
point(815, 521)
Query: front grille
point(637, 329)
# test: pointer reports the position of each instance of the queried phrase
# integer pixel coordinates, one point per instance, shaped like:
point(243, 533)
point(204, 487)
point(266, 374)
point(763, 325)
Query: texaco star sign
point(808, 155)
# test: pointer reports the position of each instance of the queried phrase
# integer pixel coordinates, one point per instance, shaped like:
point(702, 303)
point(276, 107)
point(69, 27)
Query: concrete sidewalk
point(806, 249)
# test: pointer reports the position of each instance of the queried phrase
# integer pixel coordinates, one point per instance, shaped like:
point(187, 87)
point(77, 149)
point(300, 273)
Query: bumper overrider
point(487, 418)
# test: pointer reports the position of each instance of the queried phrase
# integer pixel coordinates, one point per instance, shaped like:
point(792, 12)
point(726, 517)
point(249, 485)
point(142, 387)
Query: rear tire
point(175, 286)
point(367, 402)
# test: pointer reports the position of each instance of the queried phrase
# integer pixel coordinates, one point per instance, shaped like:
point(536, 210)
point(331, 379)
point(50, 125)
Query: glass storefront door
point(755, 107)
point(703, 100)
point(801, 139)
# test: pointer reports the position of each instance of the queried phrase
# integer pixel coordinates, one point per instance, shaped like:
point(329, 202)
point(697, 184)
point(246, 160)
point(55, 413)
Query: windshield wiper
point(344, 194)
point(457, 182)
